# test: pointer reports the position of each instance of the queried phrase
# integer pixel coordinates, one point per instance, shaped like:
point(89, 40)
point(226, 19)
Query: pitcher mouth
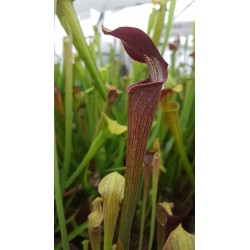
point(140, 47)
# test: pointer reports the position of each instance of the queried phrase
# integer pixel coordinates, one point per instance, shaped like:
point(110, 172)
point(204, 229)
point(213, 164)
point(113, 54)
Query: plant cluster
point(124, 142)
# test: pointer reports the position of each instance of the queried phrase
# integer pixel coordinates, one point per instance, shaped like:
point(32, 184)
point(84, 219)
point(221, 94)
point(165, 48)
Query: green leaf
point(114, 127)
point(178, 88)
point(179, 239)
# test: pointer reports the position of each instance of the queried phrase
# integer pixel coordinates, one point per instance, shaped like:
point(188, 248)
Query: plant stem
point(163, 212)
point(148, 158)
point(160, 235)
point(85, 244)
point(156, 130)
point(68, 18)
point(119, 159)
point(94, 229)
point(173, 67)
point(95, 146)
point(173, 123)
point(151, 19)
point(111, 189)
point(144, 203)
point(156, 171)
point(188, 107)
point(159, 23)
point(59, 203)
point(68, 104)
point(140, 119)
point(74, 233)
point(169, 24)
point(98, 44)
